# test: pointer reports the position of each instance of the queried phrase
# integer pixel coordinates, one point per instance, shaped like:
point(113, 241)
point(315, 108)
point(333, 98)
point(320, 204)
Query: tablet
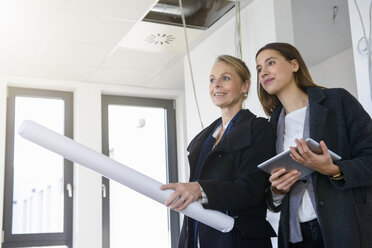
point(284, 160)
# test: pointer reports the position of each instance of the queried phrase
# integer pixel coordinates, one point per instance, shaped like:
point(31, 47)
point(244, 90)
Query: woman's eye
point(212, 80)
point(259, 70)
point(271, 62)
point(225, 78)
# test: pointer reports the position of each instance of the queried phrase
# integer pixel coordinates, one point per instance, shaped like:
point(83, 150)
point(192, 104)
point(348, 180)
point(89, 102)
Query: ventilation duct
point(171, 8)
point(200, 14)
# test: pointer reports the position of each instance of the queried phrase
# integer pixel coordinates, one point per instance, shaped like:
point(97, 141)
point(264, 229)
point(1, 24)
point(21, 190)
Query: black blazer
point(232, 182)
point(344, 207)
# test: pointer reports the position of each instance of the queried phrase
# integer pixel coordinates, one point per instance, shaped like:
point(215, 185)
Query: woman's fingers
point(276, 174)
point(324, 149)
point(183, 195)
point(286, 185)
point(172, 199)
point(184, 204)
point(283, 181)
point(295, 155)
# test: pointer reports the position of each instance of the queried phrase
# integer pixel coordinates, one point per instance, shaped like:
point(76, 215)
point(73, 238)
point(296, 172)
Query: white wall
point(87, 130)
point(361, 64)
point(256, 32)
point(87, 183)
point(336, 72)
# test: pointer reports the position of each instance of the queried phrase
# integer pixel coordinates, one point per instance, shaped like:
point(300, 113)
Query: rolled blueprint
point(114, 170)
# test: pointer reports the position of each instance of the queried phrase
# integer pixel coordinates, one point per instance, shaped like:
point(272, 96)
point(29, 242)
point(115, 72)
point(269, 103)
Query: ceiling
point(318, 34)
point(105, 41)
point(101, 41)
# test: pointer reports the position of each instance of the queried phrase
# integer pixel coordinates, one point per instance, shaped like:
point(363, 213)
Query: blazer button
point(219, 155)
point(321, 203)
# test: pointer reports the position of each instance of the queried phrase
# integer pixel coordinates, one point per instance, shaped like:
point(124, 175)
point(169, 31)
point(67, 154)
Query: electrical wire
point(189, 60)
point(238, 31)
point(368, 41)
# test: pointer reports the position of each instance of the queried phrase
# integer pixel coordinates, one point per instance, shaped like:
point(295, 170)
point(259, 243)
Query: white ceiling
point(89, 40)
point(105, 41)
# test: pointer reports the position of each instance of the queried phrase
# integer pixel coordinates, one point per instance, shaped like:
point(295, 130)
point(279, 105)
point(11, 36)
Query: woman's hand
point(183, 195)
point(318, 162)
point(282, 180)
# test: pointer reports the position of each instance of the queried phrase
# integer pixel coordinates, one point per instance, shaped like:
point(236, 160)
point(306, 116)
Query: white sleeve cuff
point(203, 200)
point(277, 199)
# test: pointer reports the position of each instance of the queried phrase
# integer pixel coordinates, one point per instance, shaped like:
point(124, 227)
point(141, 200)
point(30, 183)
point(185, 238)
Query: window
point(139, 133)
point(38, 183)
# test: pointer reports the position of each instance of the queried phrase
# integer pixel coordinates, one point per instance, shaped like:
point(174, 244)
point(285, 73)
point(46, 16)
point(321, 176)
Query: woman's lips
point(268, 80)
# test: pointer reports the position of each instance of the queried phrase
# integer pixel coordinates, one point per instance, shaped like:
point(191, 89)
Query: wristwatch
point(338, 176)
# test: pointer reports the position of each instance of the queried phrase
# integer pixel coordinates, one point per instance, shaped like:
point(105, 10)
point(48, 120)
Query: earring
point(245, 94)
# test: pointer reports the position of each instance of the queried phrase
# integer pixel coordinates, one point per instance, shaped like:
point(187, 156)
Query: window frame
point(36, 239)
point(171, 161)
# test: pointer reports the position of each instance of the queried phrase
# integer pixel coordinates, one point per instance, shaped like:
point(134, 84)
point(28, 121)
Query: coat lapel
point(234, 140)
point(318, 113)
point(196, 144)
point(318, 116)
point(231, 142)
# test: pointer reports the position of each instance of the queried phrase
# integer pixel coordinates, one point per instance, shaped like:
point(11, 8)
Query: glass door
point(38, 182)
point(138, 138)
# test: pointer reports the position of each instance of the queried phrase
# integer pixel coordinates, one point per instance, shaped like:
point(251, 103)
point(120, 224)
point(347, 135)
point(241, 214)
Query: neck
point(229, 113)
point(293, 98)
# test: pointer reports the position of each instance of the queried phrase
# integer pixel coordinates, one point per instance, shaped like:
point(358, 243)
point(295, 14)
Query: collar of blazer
point(238, 137)
point(318, 112)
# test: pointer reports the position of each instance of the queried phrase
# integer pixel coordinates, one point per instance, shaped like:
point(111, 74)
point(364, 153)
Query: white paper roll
point(109, 168)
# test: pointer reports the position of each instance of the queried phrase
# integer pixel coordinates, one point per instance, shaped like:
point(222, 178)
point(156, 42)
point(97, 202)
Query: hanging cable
point(238, 34)
point(368, 42)
point(189, 60)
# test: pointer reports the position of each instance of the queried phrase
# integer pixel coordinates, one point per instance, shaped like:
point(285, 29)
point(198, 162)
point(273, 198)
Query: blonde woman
point(223, 161)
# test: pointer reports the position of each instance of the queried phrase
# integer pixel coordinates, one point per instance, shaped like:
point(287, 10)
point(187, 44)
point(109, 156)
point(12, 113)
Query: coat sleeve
point(357, 169)
point(248, 188)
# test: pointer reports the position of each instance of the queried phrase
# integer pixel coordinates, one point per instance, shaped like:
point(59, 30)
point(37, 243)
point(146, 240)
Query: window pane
point(137, 139)
point(38, 173)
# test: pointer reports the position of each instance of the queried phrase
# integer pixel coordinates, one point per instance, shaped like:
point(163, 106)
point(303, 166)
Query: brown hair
point(239, 66)
point(302, 77)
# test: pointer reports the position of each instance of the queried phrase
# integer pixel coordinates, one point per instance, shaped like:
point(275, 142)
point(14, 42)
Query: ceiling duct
point(200, 14)
point(172, 8)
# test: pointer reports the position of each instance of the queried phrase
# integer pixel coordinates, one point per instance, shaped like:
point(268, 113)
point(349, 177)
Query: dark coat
point(344, 207)
point(233, 183)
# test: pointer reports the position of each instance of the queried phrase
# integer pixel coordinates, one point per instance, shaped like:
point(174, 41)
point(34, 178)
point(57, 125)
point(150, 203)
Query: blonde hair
point(302, 77)
point(238, 65)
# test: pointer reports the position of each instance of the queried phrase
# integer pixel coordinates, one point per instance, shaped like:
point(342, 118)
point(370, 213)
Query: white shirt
point(294, 128)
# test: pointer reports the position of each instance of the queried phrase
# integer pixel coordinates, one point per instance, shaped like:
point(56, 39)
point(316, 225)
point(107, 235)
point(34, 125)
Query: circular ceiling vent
point(160, 39)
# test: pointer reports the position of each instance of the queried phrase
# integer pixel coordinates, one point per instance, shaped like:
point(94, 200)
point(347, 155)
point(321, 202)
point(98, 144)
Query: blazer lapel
point(318, 113)
point(233, 141)
point(318, 116)
point(196, 144)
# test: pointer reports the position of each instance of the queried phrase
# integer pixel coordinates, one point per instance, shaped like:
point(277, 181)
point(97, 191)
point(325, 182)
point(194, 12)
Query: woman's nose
point(217, 84)
point(264, 72)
